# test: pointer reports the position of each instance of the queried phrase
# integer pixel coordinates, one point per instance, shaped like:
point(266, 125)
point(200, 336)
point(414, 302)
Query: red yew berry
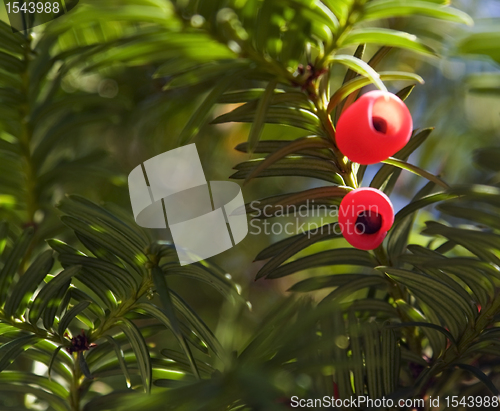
point(374, 128)
point(365, 216)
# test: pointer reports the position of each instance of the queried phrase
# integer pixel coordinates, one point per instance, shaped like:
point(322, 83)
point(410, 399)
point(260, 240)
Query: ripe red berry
point(365, 216)
point(374, 128)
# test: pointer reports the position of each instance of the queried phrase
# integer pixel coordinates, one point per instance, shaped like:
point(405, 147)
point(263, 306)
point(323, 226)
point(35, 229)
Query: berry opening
point(379, 124)
point(373, 128)
point(387, 114)
point(370, 222)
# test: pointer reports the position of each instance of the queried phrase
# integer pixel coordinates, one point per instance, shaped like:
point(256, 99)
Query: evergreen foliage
point(84, 290)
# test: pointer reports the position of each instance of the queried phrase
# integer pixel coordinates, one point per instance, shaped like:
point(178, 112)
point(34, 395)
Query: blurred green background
point(460, 98)
point(138, 118)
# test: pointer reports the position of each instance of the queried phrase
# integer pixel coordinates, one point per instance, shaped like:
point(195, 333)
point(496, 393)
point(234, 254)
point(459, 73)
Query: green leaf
point(114, 274)
point(49, 291)
point(140, 349)
point(14, 258)
point(121, 358)
point(355, 336)
point(362, 282)
point(371, 306)
point(196, 324)
point(300, 242)
point(70, 315)
point(243, 96)
point(78, 206)
point(168, 307)
point(78, 295)
point(55, 402)
point(488, 158)
point(326, 281)
point(398, 235)
point(206, 275)
point(53, 306)
point(439, 287)
point(395, 8)
point(11, 96)
point(350, 74)
point(360, 67)
point(473, 264)
point(289, 116)
point(63, 129)
point(415, 170)
point(260, 116)
point(64, 358)
point(175, 66)
point(27, 284)
point(180, 359)
point(333, 329)
point(340, 8)
point(405, 92)
point(280, 97)
point(84, 366)
point(479, 192)
point(340, 256)
point(12, 349)
point(421, 203)
point(486, 239)
point(292, 166)
point(107, 290)
point(410, 356)
point(96, 249)
point(103, 349)
point(426, 325)
point(374, 61)
point(25, 378)
point(387, 170)
point(202, 73)
point(391, 357)
point(62, 248)
point(53, 360)
point(484, 42)
point(445, 301)
point(318, 12)
point(110, 401)
point(11, 41)
point(372, 350)
point(478, 216)
point(10, 63)
point(415, 142)
point(200, 116)
point(305, 239)
point(386, 37)
point(482, 288)
point(102, 222)
point(437, 340)
point(481, 376)
point(299, 145)
point(360, 82)
point(159, 314)
point(102, 235)
point(288, 204)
